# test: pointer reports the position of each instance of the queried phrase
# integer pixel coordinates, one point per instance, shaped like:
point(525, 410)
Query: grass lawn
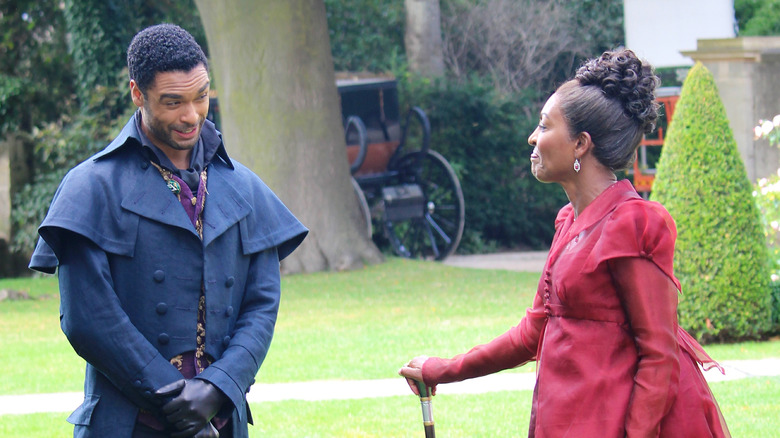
point(750, 407)
point(356, 325)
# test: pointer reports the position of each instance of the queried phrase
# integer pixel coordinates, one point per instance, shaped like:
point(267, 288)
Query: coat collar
point(212, 141)
point(606, 202)
point(150, 198)
point(225, 206)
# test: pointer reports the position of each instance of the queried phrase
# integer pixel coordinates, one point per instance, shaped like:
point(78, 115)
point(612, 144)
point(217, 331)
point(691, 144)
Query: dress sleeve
point(637, 228)
point(512, 349)
point(649, 298)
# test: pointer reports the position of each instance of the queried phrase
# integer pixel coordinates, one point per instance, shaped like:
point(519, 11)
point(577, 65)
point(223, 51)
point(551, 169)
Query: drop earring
point(577, 165)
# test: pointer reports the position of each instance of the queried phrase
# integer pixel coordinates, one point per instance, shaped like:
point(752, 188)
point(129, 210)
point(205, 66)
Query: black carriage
point(410, 189)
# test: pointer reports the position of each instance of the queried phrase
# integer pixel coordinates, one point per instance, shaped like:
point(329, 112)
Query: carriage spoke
point(437, 232)
point(437, 219)
point(432, 224)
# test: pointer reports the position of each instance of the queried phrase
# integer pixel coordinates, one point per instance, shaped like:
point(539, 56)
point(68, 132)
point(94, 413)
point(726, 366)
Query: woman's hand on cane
point(412, 371)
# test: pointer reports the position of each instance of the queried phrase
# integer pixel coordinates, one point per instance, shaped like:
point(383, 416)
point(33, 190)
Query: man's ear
point(136, 94)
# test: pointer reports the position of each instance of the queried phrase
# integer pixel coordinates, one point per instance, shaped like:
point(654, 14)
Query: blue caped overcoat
point(131, 268)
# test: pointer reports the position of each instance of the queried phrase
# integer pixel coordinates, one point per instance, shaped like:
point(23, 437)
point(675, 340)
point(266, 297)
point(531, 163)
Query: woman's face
point(552, 159)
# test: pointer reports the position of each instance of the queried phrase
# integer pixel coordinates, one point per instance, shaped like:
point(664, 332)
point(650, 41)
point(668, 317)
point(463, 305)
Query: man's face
point(174, 108)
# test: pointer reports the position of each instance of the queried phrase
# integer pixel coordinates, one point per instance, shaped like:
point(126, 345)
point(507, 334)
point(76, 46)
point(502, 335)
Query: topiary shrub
point(721, 254)
point(775, 300)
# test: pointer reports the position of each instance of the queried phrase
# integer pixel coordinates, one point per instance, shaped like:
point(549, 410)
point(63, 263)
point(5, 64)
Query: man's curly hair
point(162, 48)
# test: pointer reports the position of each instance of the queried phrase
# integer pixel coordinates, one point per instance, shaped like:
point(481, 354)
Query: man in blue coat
point(168, 255)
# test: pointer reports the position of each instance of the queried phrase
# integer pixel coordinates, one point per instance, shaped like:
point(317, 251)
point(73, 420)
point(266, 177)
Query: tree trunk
point(423, 37)
point(281, 117)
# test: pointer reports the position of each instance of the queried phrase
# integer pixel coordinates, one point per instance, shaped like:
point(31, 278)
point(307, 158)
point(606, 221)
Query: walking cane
point(425, 402)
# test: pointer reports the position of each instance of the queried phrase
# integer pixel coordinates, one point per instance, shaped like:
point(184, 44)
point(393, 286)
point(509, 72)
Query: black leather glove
point(207, 432)
point(194, 404)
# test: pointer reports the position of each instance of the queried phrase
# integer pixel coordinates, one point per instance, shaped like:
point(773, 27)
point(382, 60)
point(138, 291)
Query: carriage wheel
point(437, 233)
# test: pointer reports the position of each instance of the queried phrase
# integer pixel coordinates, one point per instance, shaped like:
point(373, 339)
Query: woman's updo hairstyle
point(612, 99)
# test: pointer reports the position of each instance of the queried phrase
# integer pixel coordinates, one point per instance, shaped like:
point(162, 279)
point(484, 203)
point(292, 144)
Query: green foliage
point(100, 32)
point(483, 135)
point(603, 19)
point(12, 97)
point(61, 145)
point(775, 299)
point(96, 47)
point(757, 17)
point(366, 35)
point(721, 256)
point(35, 72)
point(767, 194)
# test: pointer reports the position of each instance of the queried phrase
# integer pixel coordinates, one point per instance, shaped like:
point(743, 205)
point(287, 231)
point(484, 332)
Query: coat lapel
point(151, 198)
point(225, 206)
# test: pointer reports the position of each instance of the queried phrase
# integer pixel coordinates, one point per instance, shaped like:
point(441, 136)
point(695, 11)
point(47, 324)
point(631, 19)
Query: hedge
point(721, 254)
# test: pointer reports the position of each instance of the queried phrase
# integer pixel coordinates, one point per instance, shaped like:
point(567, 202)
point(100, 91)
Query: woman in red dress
point(611, 358)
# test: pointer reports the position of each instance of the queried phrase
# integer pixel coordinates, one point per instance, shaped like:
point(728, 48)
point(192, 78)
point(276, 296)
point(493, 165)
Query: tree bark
point(423, 37)
point(281, 117)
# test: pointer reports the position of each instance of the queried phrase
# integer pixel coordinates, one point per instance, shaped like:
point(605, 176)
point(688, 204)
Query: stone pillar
point(747, 73)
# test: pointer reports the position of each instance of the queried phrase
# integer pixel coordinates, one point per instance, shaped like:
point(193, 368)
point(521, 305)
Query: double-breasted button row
point(229, 310)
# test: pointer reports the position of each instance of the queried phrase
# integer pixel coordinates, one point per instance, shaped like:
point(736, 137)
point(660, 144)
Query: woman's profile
point(611, 358)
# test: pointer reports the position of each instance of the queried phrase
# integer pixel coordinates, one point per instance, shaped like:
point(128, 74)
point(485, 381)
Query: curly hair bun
point(622, 75)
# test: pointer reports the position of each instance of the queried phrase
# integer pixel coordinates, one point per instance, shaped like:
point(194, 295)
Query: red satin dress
point(611, 359)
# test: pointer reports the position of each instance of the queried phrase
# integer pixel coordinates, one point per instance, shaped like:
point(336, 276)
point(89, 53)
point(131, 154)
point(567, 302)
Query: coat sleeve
point(99, 330)
point(233, 373)
point(649, 297)
point(514, 348)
